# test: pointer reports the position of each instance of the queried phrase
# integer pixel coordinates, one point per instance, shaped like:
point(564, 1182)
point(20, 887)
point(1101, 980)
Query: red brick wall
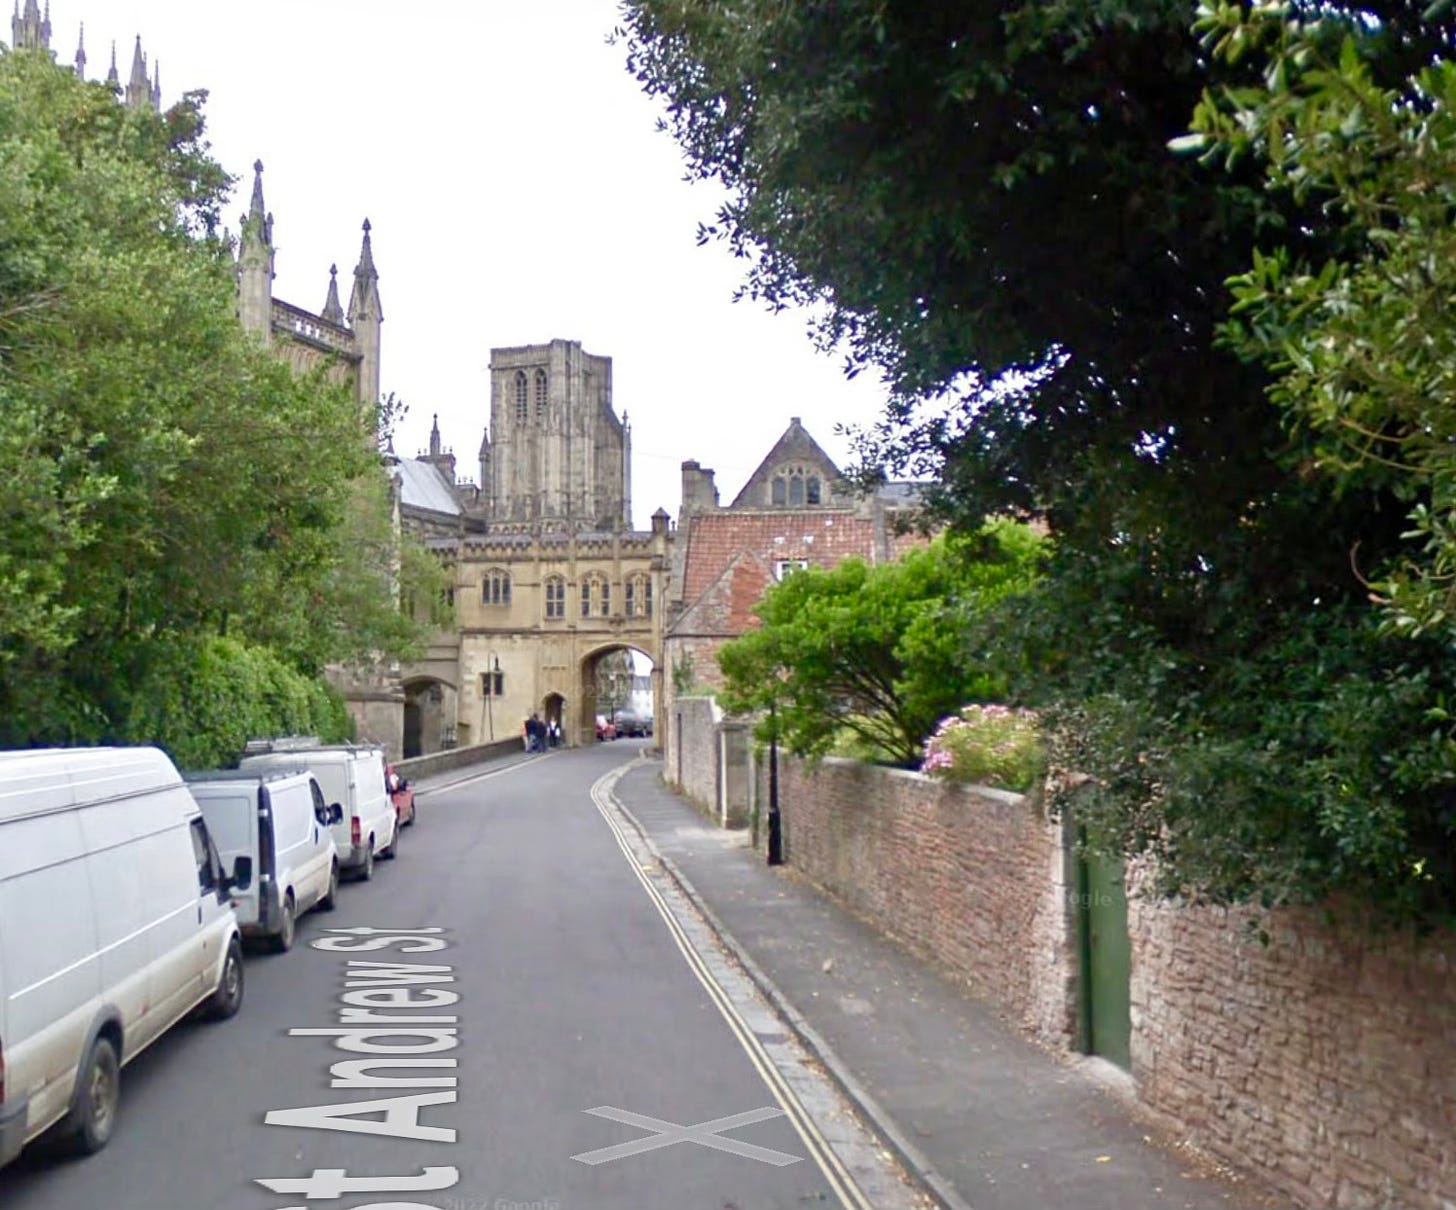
point(972, 879)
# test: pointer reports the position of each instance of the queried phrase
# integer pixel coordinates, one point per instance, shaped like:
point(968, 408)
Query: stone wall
point(1323, 1063)
point(1326, 1059)
point(456, 758)
point(972, 878)
point(691, 756)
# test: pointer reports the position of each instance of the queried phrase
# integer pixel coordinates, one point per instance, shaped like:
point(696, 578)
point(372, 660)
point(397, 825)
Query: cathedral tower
point(557, 453)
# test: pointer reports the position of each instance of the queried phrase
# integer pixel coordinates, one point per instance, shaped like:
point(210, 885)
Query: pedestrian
point(537, 733)
point(527, 735)
point(553, 733)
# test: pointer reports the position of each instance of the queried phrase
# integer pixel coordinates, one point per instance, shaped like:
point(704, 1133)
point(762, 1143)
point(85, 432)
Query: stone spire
point(157, 86)
point(112, 77)
point(365, 318)
point(332, 311)
point(435, 437)
point(81, 53)
point(255, 264)
point(139, 87)
point(30, 30)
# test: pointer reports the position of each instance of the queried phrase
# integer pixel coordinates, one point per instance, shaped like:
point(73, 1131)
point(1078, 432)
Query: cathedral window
point(638, 596)
point(596, 597)
point(523, 411)
point(811, 489)
point(555, 597)
point(540, 394)
point(780, 492)
point(495, 589)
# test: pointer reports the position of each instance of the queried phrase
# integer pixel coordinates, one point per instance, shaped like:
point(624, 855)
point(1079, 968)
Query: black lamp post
point(775, 823)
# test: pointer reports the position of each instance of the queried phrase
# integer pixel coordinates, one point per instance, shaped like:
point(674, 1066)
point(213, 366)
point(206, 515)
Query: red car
point(606, 729)
point(402, 794)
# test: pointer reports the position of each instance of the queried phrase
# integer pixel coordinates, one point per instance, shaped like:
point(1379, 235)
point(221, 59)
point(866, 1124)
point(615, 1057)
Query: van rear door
point(233, 819)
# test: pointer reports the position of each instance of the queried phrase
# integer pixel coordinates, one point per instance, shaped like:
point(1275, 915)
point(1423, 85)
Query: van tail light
point(355, 836)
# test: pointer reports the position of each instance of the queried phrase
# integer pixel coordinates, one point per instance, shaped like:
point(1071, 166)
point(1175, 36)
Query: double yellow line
point(850, 1195)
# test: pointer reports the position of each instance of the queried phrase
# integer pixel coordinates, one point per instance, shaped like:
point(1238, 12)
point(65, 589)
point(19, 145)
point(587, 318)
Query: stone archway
point(429, 716)
point(595, 698)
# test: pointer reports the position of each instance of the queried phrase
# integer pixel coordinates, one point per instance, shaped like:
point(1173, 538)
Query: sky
point(518, 192)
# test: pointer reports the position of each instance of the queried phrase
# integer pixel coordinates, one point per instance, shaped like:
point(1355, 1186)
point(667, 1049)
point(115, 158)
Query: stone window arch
point(541, 394)
point(555, 598)
point(780, 491)
point(495, 588)
point(812, 490)
point(637, 600)
point(523, 410)
point(796, 490)
point(596, 596)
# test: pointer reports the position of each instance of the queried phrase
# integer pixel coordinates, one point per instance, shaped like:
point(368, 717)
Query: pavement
point(977, 1115)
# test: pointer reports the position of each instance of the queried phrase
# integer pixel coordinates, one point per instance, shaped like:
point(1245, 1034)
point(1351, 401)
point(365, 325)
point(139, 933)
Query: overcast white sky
point(518, 192)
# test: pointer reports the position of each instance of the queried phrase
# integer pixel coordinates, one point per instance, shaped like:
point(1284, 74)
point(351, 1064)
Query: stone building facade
point(548, 575)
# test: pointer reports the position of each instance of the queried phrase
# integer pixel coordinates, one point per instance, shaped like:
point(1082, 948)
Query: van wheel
point(98, 1094)
point(283, 938)
point(366, 871)
point(392, 852)
point(228, 997)
point(331, 898)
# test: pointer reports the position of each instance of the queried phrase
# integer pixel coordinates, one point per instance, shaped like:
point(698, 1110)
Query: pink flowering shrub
point(989, 746)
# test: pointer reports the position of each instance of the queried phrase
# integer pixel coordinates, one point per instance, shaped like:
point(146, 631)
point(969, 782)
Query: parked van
point(280, 822)
point(351, 775)
point(114, 924)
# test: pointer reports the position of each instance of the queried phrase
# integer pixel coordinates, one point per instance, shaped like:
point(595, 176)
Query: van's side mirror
point(336, 813)
point(242, 875)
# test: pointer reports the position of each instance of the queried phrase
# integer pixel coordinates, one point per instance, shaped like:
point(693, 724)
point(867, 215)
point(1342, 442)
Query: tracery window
point(495, 588)
point(540, 394)
point(523, 410)
point(555, 597)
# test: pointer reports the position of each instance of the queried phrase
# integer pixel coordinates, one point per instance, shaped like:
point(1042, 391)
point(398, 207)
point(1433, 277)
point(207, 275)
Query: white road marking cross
point(665, 1134)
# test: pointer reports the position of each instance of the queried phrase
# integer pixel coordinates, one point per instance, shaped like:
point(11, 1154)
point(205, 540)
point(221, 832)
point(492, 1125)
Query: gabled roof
point(422, 486)
point(794, 446)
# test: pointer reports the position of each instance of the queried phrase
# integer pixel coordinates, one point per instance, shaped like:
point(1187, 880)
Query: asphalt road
point(574, 996)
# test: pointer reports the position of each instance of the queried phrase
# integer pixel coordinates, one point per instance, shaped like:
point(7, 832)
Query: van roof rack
point(282, 743)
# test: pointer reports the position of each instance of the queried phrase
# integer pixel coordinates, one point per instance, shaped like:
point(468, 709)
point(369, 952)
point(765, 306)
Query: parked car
point(606, 729)
point(115, 923)
point(633, 724)
point(351, 775)
point(280, 822)
point(402, 794)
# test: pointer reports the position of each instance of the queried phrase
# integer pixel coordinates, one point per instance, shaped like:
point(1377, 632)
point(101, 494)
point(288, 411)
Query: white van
point(281, 823)
point(114, 924)
point(351, 775)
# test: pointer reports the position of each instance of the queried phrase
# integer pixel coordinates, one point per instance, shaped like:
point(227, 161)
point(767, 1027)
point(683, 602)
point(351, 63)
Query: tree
point(171, 478)
point(882, 652)
point(979, 200)
point(1361, 342)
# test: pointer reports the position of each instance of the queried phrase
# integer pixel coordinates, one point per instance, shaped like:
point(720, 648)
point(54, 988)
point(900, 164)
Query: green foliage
point(880, 652)
point(167, 478)
point(202, 699)
point(1360, 339)
point(988, 745)
point(979, 199)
